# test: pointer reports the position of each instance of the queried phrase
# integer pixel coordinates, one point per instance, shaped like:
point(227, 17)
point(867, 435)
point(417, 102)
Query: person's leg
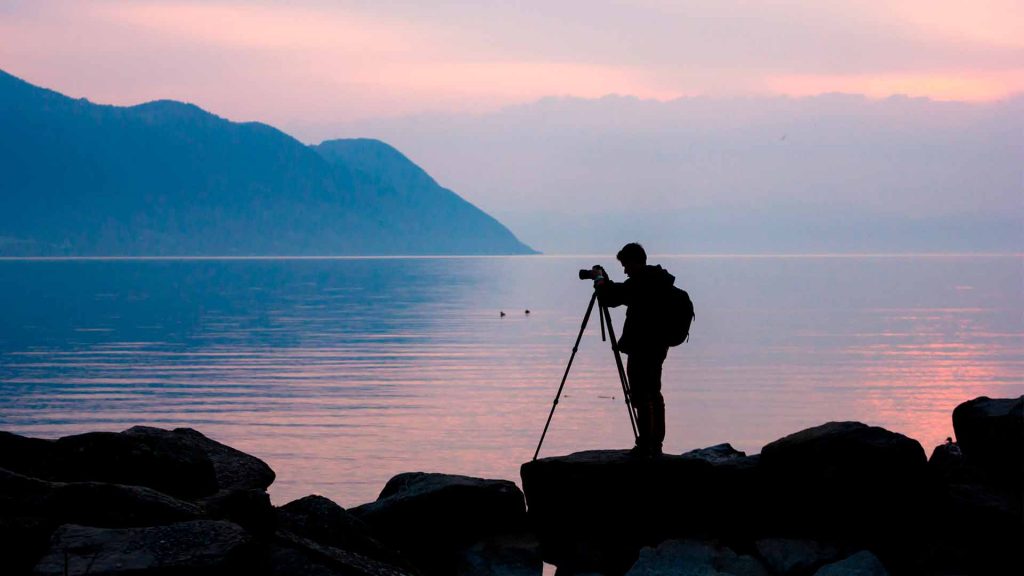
point(657, 425)
point(644, 373)
point(639, 398)
point(657, 401)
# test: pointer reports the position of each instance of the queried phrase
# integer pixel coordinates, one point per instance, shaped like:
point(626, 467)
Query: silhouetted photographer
point(654, 322)
point(658, 316)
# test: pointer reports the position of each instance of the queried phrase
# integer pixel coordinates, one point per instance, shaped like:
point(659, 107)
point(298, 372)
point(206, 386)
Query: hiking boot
point(640, 452)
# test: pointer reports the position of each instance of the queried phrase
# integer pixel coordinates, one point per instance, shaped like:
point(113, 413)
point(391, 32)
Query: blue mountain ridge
point(167, 178)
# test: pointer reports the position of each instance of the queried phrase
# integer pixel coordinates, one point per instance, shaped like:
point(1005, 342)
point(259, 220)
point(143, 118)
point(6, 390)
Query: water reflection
point(342, 373)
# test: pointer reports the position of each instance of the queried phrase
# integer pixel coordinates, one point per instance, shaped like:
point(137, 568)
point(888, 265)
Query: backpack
point(678, 316)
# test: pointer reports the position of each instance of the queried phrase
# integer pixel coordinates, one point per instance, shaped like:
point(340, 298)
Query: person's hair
point(632, 252)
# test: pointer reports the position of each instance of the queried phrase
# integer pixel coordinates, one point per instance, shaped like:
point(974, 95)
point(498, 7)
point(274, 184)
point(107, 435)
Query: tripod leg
point(603, 311)
point(575, 347)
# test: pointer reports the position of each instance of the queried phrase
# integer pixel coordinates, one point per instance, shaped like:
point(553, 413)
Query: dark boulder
point(181, 462)
point(795, 557)
point(847, 482)
point(23, 540)
point(718, 454)
point(862, 563)
point(976, 520)
point(504, 555)
point(326, 523)
point(250, 509)
point(990, 432)
point(946, 464)
point(34, 457)
point(840, 451)
point(234, 469)
point(199, 547)
point(289, 554)
point(90, 503)
point(594, 510)
point(431, 517)
point(842, 481)
point(976, 528)
point(694, 558)
point(155, 462)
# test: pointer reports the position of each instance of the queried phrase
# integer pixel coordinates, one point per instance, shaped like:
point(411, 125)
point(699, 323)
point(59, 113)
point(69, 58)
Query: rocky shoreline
point(842, 498)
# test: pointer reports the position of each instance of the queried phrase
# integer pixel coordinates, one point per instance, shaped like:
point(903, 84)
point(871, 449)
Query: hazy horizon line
point(780, 255)
point(498, 109)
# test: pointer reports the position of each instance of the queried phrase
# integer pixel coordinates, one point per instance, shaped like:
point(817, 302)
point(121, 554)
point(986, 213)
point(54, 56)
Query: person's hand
point(600, 276)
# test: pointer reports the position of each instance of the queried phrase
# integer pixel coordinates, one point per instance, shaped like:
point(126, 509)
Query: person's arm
point(611, 293)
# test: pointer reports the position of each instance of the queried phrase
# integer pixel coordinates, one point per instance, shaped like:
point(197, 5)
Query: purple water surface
point(343, 372)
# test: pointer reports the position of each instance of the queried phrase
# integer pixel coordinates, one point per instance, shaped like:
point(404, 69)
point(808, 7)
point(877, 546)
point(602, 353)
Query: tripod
point(606, 319)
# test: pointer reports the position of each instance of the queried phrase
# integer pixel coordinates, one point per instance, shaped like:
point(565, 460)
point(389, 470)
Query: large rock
point(976, 528)
point(198, 547)
point(234, 469)
point(840, 451)
point(946, 464)
point(181, 462)
point(786, 556)
point(594, 510)
point(29, 456)
point(718, 454)
point(694, 558)
point(431, 517)
point(23, 540)
point(990, 432)
point(846, 481)
point(324, 522)
point(504, 555)
point(842, 481)
point(862, 563)
point(249, 508)
point(976, 518)
point(289, 554)
point(155, 462)
point(90, 503)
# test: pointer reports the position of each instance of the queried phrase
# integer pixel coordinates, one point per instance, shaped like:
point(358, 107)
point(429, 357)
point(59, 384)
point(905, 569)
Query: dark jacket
point(644, 295)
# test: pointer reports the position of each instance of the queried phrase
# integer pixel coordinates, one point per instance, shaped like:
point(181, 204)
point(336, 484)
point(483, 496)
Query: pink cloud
point(304, 62)
point(265, 27)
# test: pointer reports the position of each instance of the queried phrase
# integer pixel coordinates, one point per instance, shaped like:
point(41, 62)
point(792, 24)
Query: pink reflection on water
point(341, 418)
point(911, 379)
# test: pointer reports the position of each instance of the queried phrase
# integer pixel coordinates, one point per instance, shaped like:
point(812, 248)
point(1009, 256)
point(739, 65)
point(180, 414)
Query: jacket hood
point(658, 275)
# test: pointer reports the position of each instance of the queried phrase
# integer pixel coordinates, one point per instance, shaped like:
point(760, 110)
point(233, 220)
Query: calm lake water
point(341, 373)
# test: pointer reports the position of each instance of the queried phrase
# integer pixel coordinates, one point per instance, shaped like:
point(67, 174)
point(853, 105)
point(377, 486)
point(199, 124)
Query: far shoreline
point(538, 255)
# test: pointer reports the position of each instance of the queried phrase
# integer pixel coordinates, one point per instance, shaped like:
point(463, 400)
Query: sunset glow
point(609, 286)
point(336, 62)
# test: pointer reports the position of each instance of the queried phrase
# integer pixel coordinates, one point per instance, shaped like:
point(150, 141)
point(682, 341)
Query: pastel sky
point(303, 62)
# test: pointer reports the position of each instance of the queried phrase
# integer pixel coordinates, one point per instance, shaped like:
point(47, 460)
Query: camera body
point(597, 274)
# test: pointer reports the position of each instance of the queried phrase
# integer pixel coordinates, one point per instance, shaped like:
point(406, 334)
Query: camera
point(596, 274)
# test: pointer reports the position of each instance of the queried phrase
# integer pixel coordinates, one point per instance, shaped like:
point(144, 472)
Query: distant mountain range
point(167, 179)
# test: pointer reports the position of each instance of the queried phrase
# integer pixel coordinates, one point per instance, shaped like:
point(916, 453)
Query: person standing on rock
point(642, 341)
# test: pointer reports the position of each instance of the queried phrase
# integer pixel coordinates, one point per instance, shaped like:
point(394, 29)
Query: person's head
point(632, 257)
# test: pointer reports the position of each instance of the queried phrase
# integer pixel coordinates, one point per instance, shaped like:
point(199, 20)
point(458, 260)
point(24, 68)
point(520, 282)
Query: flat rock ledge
point(816, 497)
point(842, 498)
